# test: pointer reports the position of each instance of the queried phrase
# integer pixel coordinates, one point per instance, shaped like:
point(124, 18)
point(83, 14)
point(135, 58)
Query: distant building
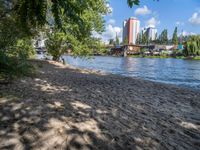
point(165, 47)
point(131, 30)
point(127, 49)
point(125, 30)
point(40, 43)
point(131, 49)
point(152, 33)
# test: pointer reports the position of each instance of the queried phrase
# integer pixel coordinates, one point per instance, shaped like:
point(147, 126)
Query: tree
point(117, 40)
point(125, 41)
point(56, 45)
point(163, 37)
point(21, 20)
point(175, 36)
point(85, 16)
point(15, 45)
point(79, 13)
point(72, 10)
point(156, 36)
point(138, 40)
point(78, 18)
point(144, 38)
point(166, 37)
point(111, 42)
point(192, 47)
point(98, 47)
point(74, 18)
point(133, 2)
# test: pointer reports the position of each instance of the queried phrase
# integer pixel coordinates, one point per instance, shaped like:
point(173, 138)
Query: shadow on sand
point(63, 108)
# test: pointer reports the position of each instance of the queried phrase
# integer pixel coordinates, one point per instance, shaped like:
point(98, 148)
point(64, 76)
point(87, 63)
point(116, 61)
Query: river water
point(184, 73)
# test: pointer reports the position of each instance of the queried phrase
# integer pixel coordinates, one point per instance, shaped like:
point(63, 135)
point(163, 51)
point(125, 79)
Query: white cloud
point(142, 28)
point(195, 19)
point(179, 23)
point(185, 33)
point(111, 21)
point(192, 33)
point(152, 22)
point(110, 33)
point(142, 11)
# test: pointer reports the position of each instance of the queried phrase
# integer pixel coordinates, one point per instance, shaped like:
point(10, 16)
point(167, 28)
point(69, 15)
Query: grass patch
point(13, 68)
point(142, 56)
point(197, 58)
point(135, 56)
point(164, 56)
point(180, 57)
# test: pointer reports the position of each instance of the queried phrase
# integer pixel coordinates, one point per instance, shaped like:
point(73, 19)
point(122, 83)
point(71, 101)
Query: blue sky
point(164, 14)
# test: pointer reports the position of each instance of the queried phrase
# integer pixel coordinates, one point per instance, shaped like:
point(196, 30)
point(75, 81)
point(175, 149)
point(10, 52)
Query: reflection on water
point(174, 71)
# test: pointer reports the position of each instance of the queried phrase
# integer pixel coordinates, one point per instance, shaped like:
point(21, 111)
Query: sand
point(67, 108)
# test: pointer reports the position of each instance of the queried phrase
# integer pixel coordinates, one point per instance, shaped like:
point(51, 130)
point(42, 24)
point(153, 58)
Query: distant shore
point(63, 107)
point(177, 57)
point(155, 56)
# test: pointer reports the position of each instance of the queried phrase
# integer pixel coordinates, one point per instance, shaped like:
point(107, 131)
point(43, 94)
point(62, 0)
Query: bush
point(177, 53)
point(55, 45)
point(192, 47)
point(12, 67)
point(23, 49)
point(14, 61)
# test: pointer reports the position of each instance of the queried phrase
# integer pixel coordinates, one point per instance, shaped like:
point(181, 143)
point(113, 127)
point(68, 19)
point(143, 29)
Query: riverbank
point(176, 57)
point(63, 107)
point(164, 57)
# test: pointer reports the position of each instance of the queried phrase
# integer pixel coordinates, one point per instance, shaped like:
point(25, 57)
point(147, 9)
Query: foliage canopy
point(192, 46)
point(71, 21)
point(175, 36)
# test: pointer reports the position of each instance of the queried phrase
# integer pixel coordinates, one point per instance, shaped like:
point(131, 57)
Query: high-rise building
point(131, 30)
point(125, 30)
point(152, 33)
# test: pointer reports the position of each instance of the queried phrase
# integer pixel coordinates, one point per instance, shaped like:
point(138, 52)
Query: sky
point(163, 14)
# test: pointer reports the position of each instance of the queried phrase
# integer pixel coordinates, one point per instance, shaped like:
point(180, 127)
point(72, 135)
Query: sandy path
point(66, 108)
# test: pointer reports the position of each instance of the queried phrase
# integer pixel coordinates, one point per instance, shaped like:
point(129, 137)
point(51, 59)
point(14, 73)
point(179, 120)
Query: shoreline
point(100, 72)
point(133, 77)
point(65, 107)
point(166, 57)
point(197, 58)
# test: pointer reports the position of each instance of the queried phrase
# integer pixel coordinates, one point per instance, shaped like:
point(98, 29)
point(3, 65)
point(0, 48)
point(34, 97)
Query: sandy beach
point(62, 107)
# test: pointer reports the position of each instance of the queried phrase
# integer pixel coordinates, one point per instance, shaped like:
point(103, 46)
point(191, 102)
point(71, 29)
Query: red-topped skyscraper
point(131, 30)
